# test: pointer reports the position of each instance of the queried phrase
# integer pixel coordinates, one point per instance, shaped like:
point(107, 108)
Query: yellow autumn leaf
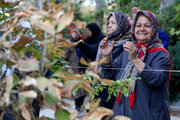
point(98, 113)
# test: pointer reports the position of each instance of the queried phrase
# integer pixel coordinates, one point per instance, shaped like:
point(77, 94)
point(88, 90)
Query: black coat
point(91, 44)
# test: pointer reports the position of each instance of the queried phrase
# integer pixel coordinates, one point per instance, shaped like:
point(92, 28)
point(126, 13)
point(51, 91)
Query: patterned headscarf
point(122, 23)
point(154, 41)
point(120, 36)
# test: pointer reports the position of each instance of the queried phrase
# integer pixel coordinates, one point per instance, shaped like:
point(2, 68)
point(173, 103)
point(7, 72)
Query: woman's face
point(143, 29)
point(111, 25)
point(89, 32)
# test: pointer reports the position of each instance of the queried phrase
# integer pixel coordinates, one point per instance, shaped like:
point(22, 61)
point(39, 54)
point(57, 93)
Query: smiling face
point(143, 29)
point(111, 25)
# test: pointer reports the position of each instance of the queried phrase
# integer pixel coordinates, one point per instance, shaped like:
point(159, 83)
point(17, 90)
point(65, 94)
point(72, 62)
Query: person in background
point(90, 46)
point(164, 37)
point(145, 59)
point(74, 54)
point(118, 30)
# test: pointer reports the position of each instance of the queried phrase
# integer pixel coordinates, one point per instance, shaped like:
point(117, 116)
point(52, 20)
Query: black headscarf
point(97, 36)
point(123, 25)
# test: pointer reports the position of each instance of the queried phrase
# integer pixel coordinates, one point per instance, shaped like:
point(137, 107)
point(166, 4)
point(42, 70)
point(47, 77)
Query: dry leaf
point(29, 94)
point(97, 77)
point(55, 82)
point(58, 10)
point(9, 3)
point(24, 111)
point(65, 20)
point(38, 34)
point(121, 118)
point(42, 83)
point(28, 65)
point(66, 90)
point(54, 89)
point(44, 25)
point(98, 113)
point(21, 42)
point(93, 63)
point(29, 81)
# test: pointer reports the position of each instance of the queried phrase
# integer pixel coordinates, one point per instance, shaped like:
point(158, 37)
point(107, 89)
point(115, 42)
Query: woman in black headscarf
point(90, 46)
point(94, 34)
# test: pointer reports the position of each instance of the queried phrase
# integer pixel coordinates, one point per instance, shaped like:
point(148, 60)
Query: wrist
point(134, 60)
point(107, 59)
point(76, 39)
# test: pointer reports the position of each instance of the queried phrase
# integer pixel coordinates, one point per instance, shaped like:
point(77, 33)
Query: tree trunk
point(165, 3)
point(100, 13)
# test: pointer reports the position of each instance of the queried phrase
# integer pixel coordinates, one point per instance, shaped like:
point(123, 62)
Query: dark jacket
point(90, 46)
point(151, 100)
point(118, 49)
point(120, 36)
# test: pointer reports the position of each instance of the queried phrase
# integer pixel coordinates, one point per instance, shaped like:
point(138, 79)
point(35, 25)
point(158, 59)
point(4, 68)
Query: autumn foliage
point(46, 43)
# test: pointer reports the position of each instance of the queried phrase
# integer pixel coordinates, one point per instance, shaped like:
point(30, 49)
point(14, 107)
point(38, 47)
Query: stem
point(43, 57)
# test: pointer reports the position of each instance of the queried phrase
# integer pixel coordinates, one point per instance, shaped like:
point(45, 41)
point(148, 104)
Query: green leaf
point(15, 78)
point(62, 115)
point(42, 83)
point(22, 100)
point(57, 74)
point(75, 90)
point(50, 98)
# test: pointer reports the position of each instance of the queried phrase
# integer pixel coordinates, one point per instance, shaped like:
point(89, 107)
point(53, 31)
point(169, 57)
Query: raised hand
point(134, 11)
point(106, 47)
point(75, 33)
point(130, 47)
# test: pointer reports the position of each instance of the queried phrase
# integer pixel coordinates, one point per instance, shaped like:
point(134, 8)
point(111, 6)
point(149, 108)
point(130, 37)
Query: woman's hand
point(75, 33)
point(130, 47)
point(106, 48)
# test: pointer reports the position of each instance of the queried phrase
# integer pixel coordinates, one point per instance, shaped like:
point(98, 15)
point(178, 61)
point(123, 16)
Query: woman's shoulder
point(159, 51)
point(158, 54)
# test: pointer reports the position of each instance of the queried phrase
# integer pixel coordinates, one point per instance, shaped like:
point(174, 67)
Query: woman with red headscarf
point(143, 57)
